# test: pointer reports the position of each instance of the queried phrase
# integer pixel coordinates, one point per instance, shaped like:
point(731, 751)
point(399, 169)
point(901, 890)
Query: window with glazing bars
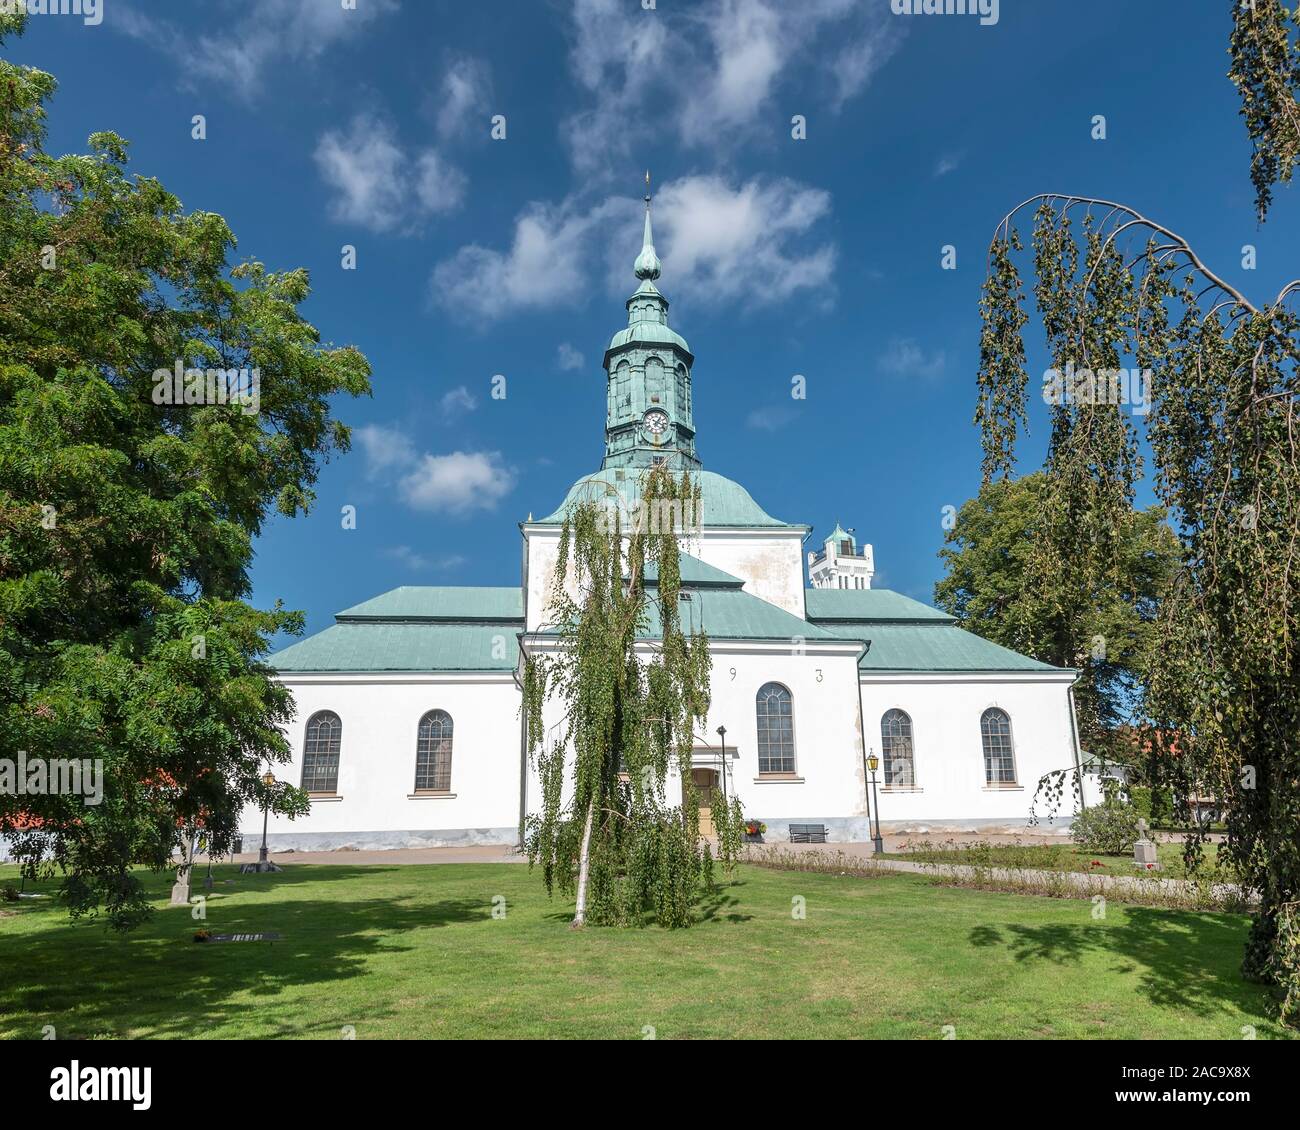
point(775, 710)
point(999, 756)
point(896, 749)
point(433, 753)
point(320, 753)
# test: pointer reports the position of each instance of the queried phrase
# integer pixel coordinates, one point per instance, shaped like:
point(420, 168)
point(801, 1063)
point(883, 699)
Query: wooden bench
point(807, 833)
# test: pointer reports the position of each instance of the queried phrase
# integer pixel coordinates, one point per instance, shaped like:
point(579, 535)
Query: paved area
point(507, 853)
point(482, 853)
point(1083, 881)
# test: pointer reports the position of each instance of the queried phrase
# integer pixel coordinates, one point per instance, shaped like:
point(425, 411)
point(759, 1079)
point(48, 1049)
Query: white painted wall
point(380, 716)
point(945, 712)
point(770, 562)
point(828, 741)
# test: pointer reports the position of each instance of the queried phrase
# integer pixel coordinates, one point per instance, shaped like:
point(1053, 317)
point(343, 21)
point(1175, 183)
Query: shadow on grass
point(169, 986)
point(1184, 960)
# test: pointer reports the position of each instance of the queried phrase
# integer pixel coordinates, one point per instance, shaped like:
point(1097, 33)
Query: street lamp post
point(877, 843)
point(722, 734)
point(263, 863)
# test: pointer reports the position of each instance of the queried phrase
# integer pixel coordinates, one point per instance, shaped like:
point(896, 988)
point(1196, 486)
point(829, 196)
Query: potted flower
point(754, 830)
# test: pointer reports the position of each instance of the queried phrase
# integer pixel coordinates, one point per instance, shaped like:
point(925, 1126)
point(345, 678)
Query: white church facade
point(408, 729)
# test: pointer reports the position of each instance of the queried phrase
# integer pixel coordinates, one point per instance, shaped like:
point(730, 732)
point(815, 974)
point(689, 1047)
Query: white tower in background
point(841, 564)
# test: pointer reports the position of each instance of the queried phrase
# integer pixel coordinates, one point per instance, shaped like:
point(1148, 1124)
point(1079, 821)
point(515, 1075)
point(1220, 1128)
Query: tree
point(126, 520)
point(632, 686)
point(1002, 585)
point(1266, 71)
point(1222, 429)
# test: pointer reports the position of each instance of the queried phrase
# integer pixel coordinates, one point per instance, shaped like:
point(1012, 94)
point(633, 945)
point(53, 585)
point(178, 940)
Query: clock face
point(656, 422)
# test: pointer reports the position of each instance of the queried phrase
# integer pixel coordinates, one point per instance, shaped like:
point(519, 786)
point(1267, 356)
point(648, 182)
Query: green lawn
point(413, 951)
point(1051, 857)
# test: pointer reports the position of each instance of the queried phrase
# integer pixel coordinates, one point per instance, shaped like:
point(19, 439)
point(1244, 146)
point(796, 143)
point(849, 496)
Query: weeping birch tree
point(633, 686)
point(1121, 299)
point(1265, 51)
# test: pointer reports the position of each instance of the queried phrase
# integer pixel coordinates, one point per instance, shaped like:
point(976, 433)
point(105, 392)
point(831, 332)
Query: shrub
point(1155, 806)
point(1110, 828)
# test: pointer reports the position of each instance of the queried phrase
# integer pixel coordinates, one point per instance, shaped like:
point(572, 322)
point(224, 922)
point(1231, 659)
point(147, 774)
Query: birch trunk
point(580, 911)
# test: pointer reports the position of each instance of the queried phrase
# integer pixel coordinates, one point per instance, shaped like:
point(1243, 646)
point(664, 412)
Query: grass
point(414, 951)
point(1053, 857)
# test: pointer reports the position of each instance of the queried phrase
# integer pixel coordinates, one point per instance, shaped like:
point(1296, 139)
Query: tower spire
point(647, 264)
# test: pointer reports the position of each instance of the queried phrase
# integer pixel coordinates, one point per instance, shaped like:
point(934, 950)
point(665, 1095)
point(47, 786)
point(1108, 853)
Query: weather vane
point(647, 184)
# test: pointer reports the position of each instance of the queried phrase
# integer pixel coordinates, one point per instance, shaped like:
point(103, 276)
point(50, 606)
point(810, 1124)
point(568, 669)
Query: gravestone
point(1144, 851)
point(181, 888)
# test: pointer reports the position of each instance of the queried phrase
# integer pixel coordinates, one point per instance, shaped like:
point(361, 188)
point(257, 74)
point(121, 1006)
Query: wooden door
point(705, 781)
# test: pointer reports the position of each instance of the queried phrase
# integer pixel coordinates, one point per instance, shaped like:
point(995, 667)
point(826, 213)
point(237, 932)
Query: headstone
point(1144, 851)
point(181, 888)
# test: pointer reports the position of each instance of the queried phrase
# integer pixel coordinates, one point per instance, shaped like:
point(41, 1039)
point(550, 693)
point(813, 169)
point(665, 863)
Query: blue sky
point(819, 257)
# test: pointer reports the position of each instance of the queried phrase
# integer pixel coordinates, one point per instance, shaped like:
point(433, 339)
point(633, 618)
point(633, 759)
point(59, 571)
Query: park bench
point(807, 833)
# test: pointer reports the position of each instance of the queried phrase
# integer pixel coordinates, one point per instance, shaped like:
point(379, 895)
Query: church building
point(409, 732)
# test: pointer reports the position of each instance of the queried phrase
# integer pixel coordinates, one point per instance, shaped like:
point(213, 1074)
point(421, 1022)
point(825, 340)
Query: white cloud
point(715, 71)
point(253, 37)
point(419, 562)
point(379, 185)
point(458, 483)
point(457, 402)
point(904, 357)
point(719, 241)
point(385, 449)
point(568, 358)
point(947, 164)
point(463, 96)
point(752, 240)
point(770, 419)
point(546, 265)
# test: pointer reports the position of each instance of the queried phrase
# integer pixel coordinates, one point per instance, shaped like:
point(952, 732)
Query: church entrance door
point(706, 782)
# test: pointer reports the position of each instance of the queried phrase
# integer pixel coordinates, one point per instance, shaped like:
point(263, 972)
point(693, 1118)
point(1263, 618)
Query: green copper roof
point(932, 647)
point(412, 646)
point(733, 614)
point(647, 263)
point(839, 534)
point(416, 628)
point(427, 602)
point(655, 333)
point(724, 502)
point(868, 604)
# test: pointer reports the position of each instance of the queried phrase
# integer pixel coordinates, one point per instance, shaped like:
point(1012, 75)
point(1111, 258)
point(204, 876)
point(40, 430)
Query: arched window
point(320, 753)
point(433, 753)
point(896, 749)
point(999, 756)
point(775, 710)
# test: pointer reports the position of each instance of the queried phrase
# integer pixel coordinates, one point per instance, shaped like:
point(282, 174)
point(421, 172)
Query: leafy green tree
point(1002, 584)
point(1265, 51)
point(126, 524)
point(632, 687)
point(1222, 428)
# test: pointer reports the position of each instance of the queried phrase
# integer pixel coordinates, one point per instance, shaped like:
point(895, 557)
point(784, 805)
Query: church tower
point(841, 564)
point(649, 416)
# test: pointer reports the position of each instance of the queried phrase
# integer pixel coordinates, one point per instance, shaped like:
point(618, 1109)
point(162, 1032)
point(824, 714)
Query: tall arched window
point(999, 755)
point(775, 710)
point(433, 753)
point(896, 749)
point(320, 753)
